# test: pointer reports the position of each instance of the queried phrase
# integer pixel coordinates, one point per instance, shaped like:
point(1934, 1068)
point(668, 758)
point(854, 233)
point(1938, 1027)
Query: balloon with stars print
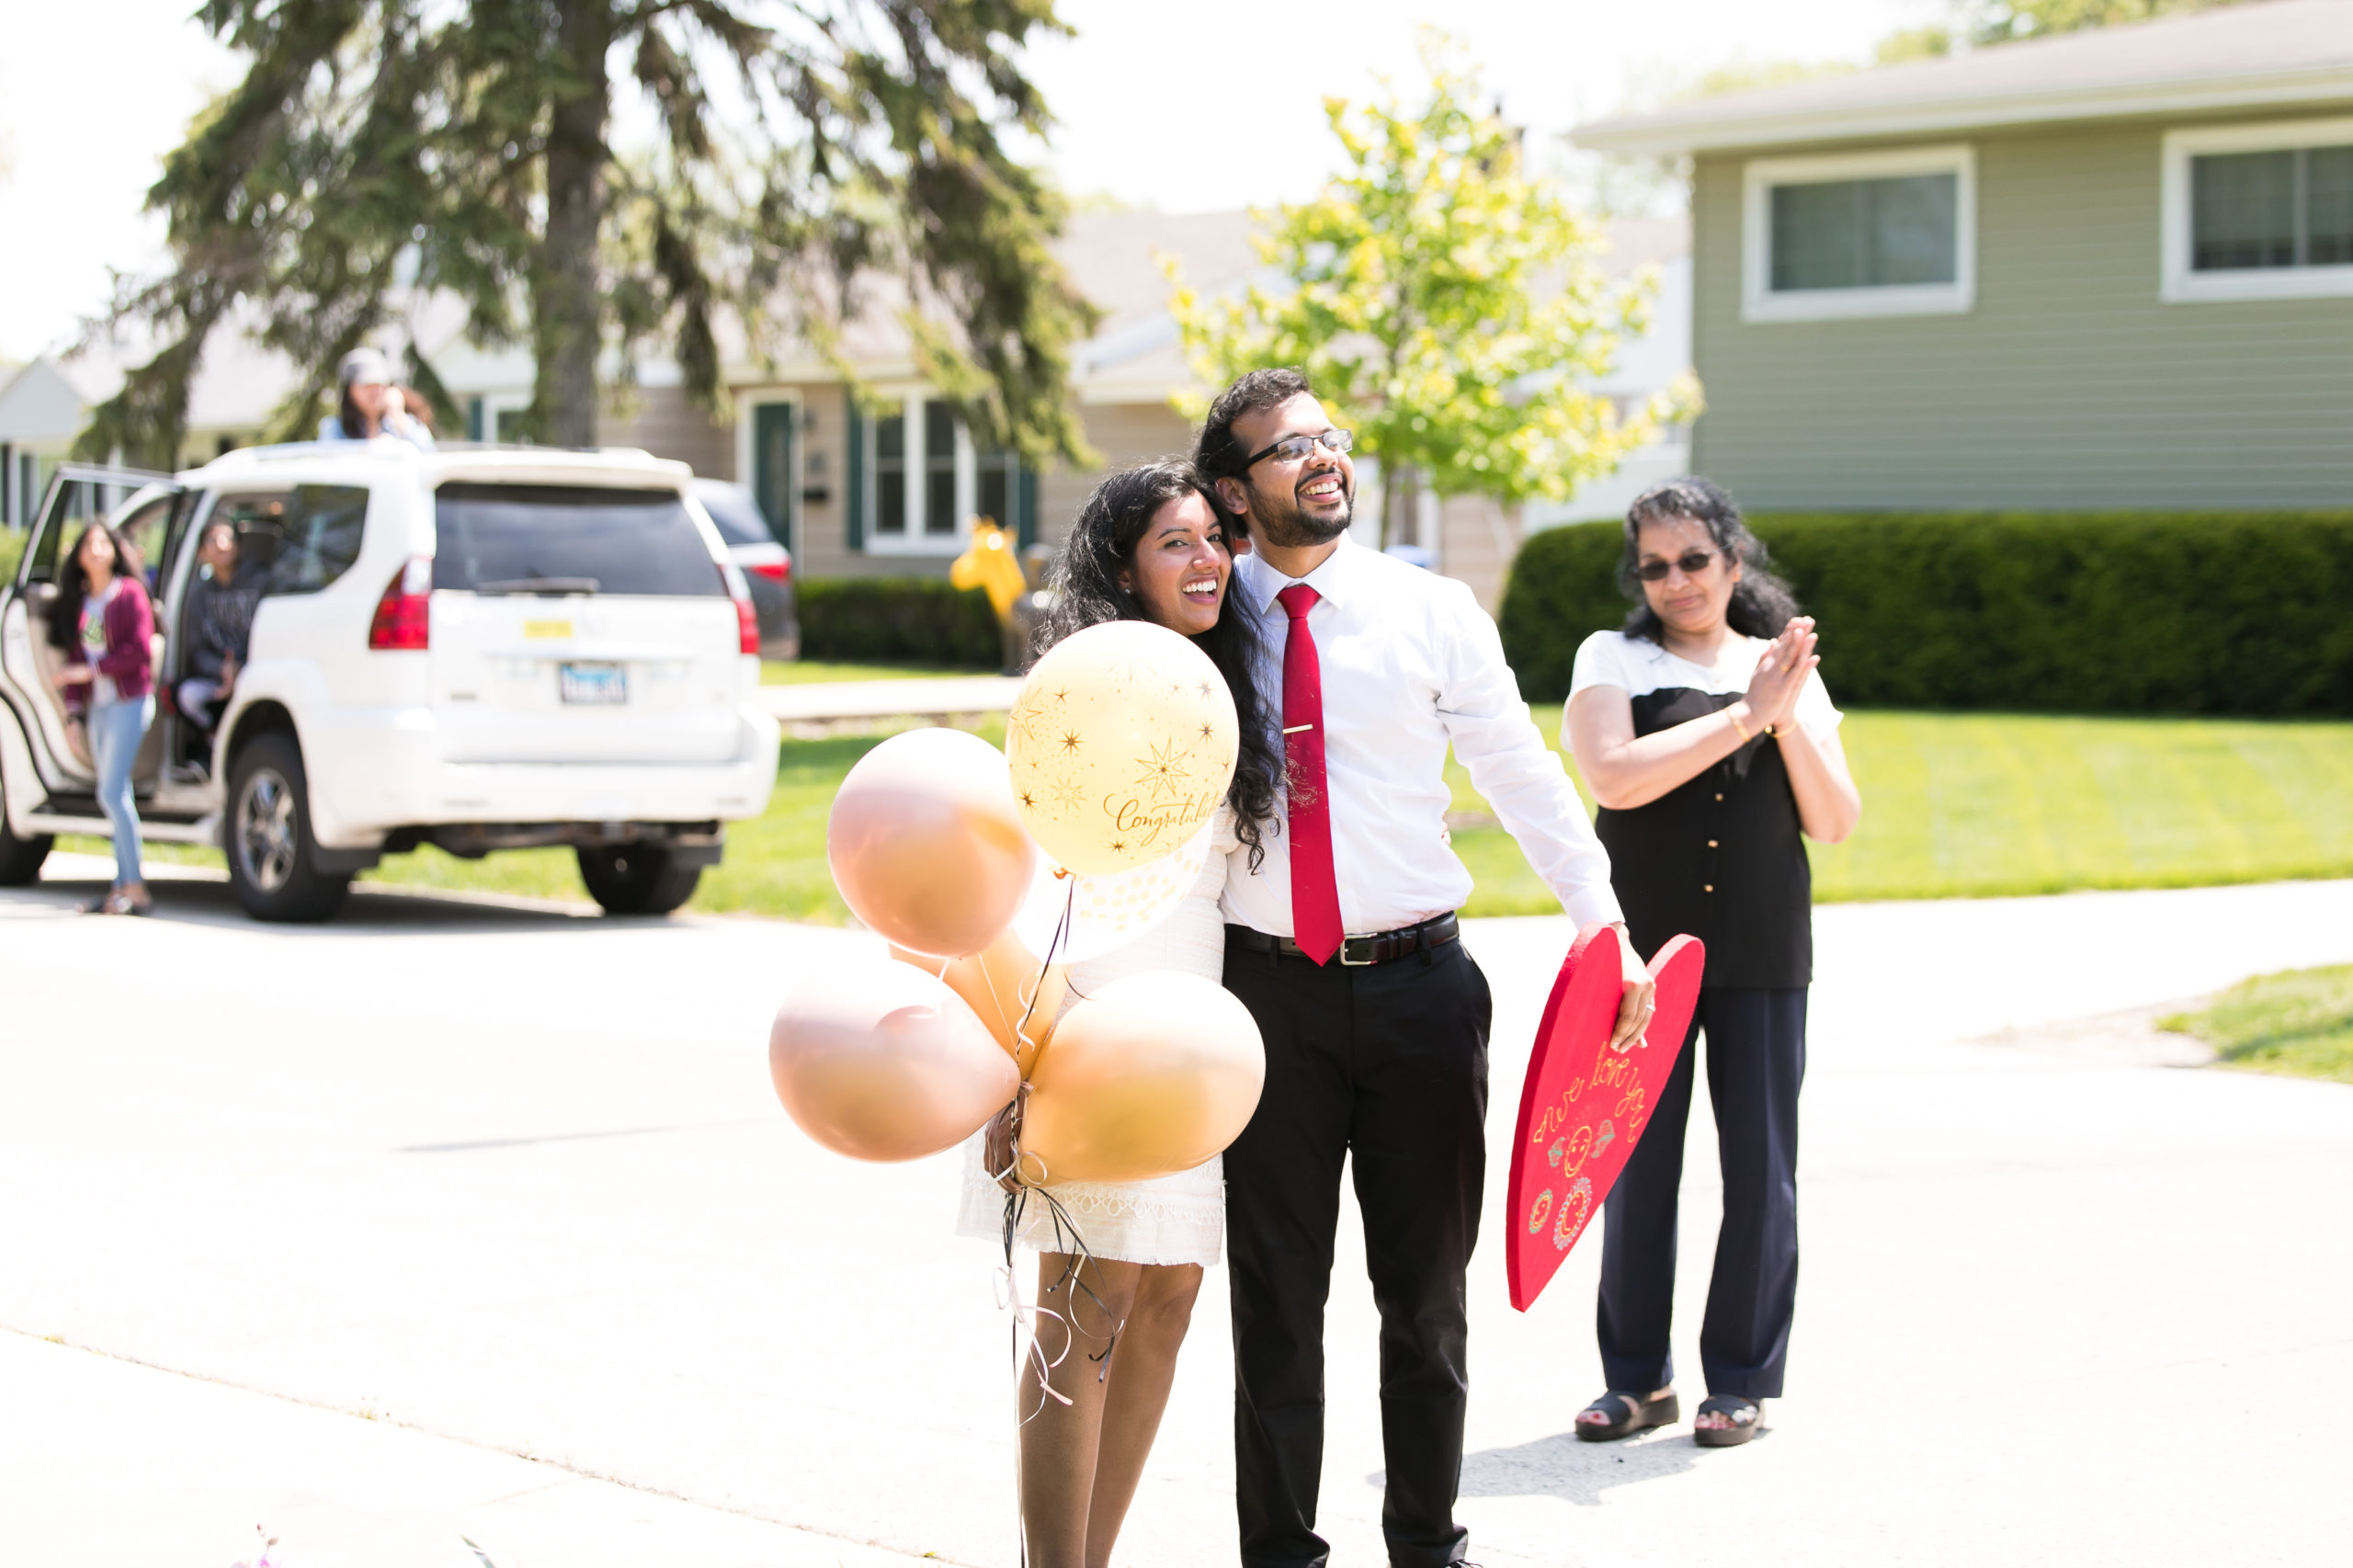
point(1122, 742)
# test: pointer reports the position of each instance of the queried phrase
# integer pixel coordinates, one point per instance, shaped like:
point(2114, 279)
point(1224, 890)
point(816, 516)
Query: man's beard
point(1282, 523)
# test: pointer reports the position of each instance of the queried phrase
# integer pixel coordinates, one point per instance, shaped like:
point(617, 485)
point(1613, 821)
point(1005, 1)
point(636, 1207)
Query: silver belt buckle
point(1364, 962)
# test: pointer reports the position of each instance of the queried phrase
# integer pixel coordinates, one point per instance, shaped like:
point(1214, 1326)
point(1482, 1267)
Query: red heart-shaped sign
point(1584, 1106)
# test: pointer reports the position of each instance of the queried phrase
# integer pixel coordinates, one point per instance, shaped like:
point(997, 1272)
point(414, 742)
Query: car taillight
point(404, 618)
point(774, 571)
point(747, 620)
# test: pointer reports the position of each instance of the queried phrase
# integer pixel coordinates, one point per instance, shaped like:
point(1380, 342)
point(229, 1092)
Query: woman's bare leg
point(1142, 1374)
point(1059, 1441)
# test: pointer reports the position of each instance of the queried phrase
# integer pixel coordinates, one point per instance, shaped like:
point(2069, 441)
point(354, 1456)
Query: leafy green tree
point(803, 155)
point(1443, 302)
point(2000, 21)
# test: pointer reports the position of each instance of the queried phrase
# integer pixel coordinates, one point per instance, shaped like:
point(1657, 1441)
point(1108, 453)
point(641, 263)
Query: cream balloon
point(927, 845)
point(1154, 1073)
point(1014, 994)
point(1077, 918)
point(880, 1061)
point(1122, 743)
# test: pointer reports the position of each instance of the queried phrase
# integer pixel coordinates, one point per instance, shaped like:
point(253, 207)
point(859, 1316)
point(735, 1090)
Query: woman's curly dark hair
point(1083, 581)
point(1761, 603)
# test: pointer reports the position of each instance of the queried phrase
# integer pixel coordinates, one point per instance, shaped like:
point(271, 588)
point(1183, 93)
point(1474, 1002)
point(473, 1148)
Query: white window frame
point(495, 404)
point(2180, 285)
point(1761, 302)
point(915, 542)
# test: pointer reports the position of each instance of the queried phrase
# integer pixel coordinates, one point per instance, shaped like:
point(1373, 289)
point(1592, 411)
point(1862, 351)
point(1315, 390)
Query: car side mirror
point(41, 596)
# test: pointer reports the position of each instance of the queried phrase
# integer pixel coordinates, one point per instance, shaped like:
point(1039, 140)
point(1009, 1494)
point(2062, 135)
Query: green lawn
point(1954, 805)
point(2300, 1021)
point(807, 671)
point(1986, 804)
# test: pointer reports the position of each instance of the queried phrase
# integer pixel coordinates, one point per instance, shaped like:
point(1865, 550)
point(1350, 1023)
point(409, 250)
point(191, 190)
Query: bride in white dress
point(1148, 545)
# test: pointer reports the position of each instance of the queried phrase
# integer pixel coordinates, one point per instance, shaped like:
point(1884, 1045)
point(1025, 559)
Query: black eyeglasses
point(1290, 449)
point(1693, 562)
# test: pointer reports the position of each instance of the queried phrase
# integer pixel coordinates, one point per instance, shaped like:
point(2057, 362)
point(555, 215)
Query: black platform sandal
point(1628, 1413)
point(1745, 1415)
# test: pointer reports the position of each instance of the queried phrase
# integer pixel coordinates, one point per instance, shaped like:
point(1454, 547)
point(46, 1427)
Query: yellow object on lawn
point(992, 565)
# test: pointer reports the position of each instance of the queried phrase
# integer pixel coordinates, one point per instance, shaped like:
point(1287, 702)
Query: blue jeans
point(116, 729)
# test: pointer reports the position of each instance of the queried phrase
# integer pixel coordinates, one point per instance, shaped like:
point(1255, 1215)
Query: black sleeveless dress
point(1719, 857)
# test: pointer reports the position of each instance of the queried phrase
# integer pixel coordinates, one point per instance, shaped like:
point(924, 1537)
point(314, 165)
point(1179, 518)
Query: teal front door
point(772, 435)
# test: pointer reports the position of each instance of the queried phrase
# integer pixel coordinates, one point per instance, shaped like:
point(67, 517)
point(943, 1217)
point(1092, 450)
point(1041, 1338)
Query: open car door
point(152, 512)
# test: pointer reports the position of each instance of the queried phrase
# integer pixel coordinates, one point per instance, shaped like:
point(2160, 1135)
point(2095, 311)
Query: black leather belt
point(1356, 952)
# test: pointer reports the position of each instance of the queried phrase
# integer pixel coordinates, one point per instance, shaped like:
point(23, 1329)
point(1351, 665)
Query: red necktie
point(1314, 892)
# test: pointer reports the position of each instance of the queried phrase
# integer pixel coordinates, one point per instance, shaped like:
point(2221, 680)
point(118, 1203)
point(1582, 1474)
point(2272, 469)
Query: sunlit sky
point(1192, 108)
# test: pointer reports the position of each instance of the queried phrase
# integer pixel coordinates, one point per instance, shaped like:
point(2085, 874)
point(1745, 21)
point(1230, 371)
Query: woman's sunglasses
point(1693, 563)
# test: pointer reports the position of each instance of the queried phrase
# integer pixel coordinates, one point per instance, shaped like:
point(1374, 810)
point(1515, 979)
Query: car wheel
point(634, 879)
point(20, 859)
point(273, 859)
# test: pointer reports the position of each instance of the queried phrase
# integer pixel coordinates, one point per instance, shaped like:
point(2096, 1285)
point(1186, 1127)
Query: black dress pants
point(1387, 1063)
point(1755, 1059)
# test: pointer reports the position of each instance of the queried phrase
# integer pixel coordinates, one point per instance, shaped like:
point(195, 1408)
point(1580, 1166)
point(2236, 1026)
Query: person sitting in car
point(370, 405)
point(219, 619)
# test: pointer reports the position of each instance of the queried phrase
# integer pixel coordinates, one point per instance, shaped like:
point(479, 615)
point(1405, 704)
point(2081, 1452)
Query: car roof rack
point(106, 474)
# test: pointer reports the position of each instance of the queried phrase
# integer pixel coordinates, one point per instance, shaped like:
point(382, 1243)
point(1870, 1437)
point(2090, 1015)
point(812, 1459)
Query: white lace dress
point(1170, 1219)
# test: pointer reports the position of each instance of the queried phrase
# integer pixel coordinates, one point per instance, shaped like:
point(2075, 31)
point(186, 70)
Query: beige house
point(859, 492)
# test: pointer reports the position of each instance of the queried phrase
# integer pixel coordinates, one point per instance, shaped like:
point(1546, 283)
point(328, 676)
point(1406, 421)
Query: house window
point(891, 481)
point(1871, 235)
point(2258, 212)
point(922, 477)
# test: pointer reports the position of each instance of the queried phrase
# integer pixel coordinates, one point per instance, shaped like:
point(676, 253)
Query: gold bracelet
point(1735, 727)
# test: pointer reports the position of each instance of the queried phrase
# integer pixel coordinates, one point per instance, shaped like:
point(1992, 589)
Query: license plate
point(594, 683)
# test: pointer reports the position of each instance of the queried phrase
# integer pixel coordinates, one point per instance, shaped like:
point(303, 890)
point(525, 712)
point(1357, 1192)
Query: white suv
point(479, 649)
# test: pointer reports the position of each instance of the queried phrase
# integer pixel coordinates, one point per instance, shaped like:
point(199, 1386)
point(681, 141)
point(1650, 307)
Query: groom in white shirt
point(1344, 947)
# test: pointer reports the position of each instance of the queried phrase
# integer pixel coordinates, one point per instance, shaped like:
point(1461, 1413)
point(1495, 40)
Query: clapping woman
point(104, 625)
point(1706, 735)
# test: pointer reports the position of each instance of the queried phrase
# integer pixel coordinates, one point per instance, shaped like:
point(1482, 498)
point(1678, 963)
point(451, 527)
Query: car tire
point(20, 859)
point(273, 858)
point(637, 879)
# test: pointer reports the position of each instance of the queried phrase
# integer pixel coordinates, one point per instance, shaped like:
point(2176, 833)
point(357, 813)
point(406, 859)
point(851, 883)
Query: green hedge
point(897, 620)
point(2237, 612)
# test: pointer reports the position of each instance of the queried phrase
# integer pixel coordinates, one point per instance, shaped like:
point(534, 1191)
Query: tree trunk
point(1401, 499)
point(567, 315)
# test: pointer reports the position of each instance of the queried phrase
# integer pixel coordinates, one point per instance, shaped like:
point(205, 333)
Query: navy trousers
point(1755, 1060)
point(1387, 1067)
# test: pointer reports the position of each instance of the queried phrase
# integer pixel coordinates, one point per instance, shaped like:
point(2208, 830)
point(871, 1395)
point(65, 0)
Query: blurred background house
point(2107, 269)
point(857, 493)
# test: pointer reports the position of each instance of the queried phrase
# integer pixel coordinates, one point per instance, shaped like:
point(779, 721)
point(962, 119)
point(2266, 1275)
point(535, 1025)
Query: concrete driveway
point(461, 1220)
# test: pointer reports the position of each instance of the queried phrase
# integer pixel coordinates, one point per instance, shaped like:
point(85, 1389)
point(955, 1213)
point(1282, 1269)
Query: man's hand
point(1637, 1001)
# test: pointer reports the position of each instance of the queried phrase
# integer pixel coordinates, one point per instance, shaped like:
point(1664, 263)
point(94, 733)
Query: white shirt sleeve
point(1814, 713)
point(1599, 662)
point(1520, 775)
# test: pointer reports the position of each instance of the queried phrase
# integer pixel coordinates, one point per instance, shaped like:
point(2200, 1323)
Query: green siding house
point(2108, 270)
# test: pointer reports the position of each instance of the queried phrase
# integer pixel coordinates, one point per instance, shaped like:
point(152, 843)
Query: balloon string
point(1069, 1242)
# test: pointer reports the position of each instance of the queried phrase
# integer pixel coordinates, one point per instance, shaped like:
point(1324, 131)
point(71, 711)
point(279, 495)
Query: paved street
point(460, 1218)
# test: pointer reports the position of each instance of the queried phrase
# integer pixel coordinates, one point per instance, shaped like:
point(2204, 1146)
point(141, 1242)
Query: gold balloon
point(880, 1061)
point(927, 845)
point(1015, 995)
point(1122, 743)
point(1155, 1073)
